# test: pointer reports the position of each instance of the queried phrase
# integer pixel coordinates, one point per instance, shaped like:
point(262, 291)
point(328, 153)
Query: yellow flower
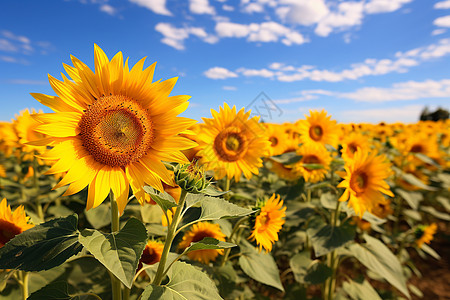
point(353, 142)
point(2, 171)
point(12, 223)
point(199, 231)
point(24, 126)
point(318, 128)
point(364, 181)
point(113, 128)
point(278, 139)
point(285, 172)
point(8, 138)
point(312, 154)
point(424, 234)
point(268, 223)
point(232, 143)
point(151, 254)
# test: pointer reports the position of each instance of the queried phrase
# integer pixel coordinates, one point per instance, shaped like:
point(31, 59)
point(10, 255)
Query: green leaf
point(208, 243)
point(260, 266)
point(312, 166)
point(212, 191)
point(413, 198)
point(327, 238)
point(444, 202)
point(185, 283)
point(432, 211)
point(287, 158)
point(360, 291)
point(42, 247)
point(317, 273)
point(427, 249)
point(328, 200)
point(299, 264)
point(380, 260)
point(217, 208)
point(413, 214)
point(164, 200)
point(411, 179)
point(54, 291)
point(426, 159)
point(100, 216)
point(119, 251)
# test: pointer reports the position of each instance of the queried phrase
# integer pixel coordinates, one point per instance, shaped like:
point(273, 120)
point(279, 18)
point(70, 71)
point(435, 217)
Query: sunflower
point(151, 254)
point(424, 234)
point(113, 128)
point(364, 181)
point(268, 222)
point(199, 231)
point(285, 172)
point(318, 128)
point(312, 154)
point(12, 223)
point(232, 143)
point(24, 125)
point(8, 138)
point(277, 137)
point(2, 171)
point(351, 143)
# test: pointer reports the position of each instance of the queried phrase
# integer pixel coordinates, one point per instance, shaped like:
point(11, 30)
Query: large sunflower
point(232, 143)
point(364, 181)
point(278, 139)
point(351, 143)
point(318, 128)
point(268, 222)
point(113, 128)
point(197, 233)
point(312, 154)
point(12, 223)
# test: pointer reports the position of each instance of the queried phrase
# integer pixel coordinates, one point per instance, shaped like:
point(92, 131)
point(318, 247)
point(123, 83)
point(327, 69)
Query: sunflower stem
point(24, 284)
point(169, 239)
point(227, 188)
point(235, 229)
point(333, 261)
point(115, 282)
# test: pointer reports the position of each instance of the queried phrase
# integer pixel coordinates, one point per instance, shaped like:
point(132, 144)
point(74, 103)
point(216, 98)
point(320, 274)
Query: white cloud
point(229, 88)
point(219, 73)
point(410, 90)
point(201, 7)
point(303, 12)
point(438, 31)
point(27, 81)
point(175, 37)
point(253, 8)
point(252, 72)
point(10, 59)
point(442, 21)
point(19, 38)
point(227, 7)
point(404, 114)
point(108, 9)
point(263, 32)
point(305, 95)
point(384, 6)
point(156, 6)
point(7, 46)
point(348, 14)
point(442, 5)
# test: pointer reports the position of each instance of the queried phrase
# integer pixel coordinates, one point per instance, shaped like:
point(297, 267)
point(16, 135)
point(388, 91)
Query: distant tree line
point(438, 114)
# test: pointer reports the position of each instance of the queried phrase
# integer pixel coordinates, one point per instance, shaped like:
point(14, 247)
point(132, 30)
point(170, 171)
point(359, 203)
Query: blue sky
point(363, 61)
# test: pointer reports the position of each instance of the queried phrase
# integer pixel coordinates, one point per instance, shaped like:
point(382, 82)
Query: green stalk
point(169, 239)
point(333, 261)
point(235, 229)
point(24, 284)
point(115, 282)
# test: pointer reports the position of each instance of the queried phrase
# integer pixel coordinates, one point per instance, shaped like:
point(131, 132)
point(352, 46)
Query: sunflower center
point(150, 256)
point(316, 132)
point(310, 159)
point(116, 130)
point(358, 182)
point(200, 236)
point(263, 220)
point(417, 149)
point(352, 148)
point(7, 231)
point(231, 144)
point(274, 141)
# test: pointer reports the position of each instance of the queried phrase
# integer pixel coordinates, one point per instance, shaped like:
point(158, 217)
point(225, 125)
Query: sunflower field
point(116, 196)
